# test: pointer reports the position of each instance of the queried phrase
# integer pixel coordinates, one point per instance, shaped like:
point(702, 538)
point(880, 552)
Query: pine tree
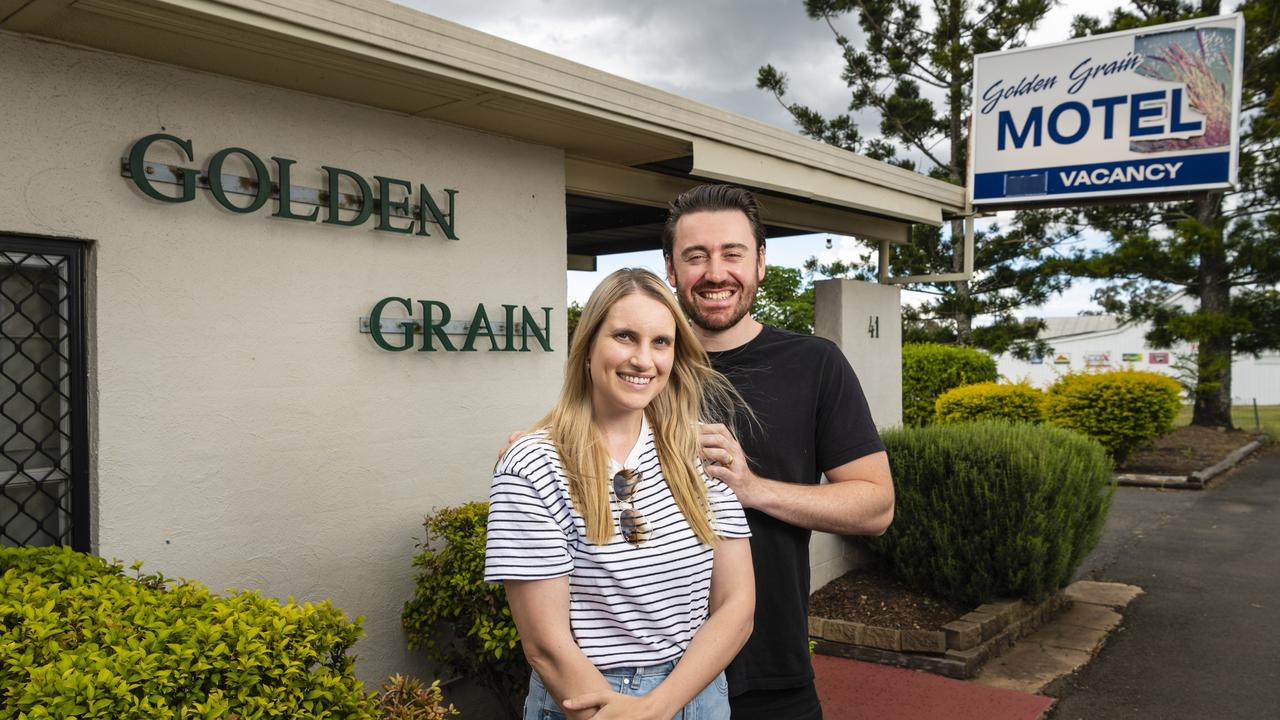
point(900, 63)
point(1219, 248)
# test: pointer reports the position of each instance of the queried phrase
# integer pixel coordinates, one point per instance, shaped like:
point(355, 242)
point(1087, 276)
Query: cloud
point(705, 50)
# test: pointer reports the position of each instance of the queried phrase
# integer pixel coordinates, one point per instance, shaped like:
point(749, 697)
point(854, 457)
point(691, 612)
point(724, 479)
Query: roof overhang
point(622, 140)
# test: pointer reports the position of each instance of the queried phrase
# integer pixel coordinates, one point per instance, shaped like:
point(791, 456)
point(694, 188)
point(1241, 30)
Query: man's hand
point(511, 440)
point(724, 460)
point(857, 498)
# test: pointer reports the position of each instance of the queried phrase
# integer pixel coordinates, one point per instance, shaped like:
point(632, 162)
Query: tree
point(785, 300)
point(1006, 333)
point(572, 315)
point(905, 60)
point(1218, 248)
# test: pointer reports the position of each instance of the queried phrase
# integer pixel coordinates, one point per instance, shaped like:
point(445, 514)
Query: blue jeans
point(710, 704)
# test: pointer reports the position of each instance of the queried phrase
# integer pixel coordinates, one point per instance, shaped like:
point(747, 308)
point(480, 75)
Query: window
point(44, 488)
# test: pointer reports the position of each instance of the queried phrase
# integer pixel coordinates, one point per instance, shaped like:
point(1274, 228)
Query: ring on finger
point(729, 461)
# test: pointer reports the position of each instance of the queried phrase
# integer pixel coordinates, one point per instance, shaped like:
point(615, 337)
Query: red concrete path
point(853, 690)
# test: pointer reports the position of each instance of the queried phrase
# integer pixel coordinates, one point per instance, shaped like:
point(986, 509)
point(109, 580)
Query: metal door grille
point(43, 440)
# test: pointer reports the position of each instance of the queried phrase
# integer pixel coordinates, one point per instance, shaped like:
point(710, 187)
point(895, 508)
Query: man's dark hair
point(712, 197)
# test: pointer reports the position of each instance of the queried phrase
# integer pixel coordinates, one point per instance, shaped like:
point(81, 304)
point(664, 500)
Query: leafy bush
point(993, 509)
point(930, 369)
point(79, 638)
point(1017, 402)
point(461, 622)
point(1119, 408)
point(405, 698)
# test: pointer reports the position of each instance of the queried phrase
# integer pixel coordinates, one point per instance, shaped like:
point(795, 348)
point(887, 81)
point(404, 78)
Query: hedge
point(993, 509)
point(1017, 402)
point(461, 623)
point(1118, 408)
point(79, 638)
point(930, 369)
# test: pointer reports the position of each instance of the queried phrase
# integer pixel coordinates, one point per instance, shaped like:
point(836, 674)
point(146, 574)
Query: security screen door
point(44, 489)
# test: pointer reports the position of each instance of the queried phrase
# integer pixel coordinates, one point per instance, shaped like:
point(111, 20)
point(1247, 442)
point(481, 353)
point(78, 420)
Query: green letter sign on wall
point(375, 325)
point(261, 179)
point(416, 212)
point(437, 325)
point(335, 195)
point(138, 169)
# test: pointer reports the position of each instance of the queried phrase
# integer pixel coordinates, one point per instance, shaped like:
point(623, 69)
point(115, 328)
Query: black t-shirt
point(813, 417)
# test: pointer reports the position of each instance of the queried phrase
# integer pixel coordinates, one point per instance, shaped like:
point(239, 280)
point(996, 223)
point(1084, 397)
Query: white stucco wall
point(1076, 349)
point(247, 435)
point(1256, 379)
point(846, 312)
point(1252, 379)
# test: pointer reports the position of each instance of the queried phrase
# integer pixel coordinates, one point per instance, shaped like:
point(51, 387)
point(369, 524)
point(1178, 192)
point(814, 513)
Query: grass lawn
point(1242, 418)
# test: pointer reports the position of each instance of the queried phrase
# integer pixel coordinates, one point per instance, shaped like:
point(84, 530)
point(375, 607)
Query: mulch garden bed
point(873, 597)
point(1185, 450)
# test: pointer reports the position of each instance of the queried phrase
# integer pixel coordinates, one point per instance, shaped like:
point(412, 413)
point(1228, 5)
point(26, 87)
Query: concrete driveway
point(1204, 640)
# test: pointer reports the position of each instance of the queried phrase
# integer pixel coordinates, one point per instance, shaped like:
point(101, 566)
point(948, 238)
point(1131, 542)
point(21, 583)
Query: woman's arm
point(540, 609)
point(733, 604)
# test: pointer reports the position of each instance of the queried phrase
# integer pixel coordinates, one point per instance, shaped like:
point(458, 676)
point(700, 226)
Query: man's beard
point(719, 322)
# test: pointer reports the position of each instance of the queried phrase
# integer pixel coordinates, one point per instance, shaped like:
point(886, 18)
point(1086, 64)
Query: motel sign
point(1136, 113)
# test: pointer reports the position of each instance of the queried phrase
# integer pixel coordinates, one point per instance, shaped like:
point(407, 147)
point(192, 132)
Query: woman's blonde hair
point(694, 391)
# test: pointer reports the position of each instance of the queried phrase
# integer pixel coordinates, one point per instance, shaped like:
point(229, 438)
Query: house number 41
point(873, 326)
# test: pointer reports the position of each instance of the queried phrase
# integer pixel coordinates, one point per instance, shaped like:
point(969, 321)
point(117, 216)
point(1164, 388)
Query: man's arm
point(856, 500)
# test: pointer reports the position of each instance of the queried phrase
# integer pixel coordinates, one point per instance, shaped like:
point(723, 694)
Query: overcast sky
point(709, 51)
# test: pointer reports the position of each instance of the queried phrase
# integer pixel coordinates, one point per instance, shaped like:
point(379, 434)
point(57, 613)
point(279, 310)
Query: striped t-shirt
point(628, 605)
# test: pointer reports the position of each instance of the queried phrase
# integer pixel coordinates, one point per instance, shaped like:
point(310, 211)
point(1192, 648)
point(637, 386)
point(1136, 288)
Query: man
point(813, 420)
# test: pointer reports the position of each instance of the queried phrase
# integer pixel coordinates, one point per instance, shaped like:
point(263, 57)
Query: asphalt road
point(1203, 642)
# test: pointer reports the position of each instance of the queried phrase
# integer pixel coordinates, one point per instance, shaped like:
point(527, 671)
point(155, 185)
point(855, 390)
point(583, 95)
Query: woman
point(628, 570)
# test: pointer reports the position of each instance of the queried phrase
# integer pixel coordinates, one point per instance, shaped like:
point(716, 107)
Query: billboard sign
point(1097, 359)
point(1141, 112)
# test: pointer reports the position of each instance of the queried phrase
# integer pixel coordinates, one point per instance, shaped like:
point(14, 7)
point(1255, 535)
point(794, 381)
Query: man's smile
point(719, 294)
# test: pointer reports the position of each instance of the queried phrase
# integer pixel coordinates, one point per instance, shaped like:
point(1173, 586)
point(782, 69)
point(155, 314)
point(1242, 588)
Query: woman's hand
point(614, 705)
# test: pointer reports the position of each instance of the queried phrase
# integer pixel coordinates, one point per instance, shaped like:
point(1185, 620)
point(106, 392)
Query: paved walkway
point(1204, 639)
point(1066, 643)
point(855, 690)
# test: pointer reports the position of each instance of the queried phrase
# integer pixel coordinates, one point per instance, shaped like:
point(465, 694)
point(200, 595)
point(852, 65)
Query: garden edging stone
point(1194, 481)
point(956, 650)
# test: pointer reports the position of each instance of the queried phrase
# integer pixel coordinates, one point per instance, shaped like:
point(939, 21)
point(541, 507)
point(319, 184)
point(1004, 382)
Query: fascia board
point(380, 31)
point(584, 176)
point(733, 164)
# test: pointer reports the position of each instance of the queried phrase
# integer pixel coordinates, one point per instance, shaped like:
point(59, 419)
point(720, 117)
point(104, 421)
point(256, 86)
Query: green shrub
point(930, 369)
point(461, 622)
point(1119, 408)
point(993, 509)
point(1018, 402)
point(79, 638)
point(405, 698)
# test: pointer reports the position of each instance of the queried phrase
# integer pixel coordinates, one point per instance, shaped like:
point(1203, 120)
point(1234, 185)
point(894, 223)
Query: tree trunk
point(963, 314)
point(1213, 358)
